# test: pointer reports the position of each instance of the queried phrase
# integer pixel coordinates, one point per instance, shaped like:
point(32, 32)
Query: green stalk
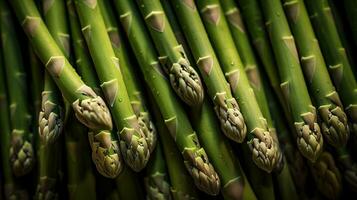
point(233, 185)
point(132, 83)
point(264, 148)
point(181, 183)
point(327, 176)
point(334, 120)
point(133, 143)
point(254, 19)
point(183, 77)
point(309, 138)
point(176, 120)
point(335, 56)
point(10, 187)
point(156, 177)
point(21, 150)
point(81, 181)
point(105, 149)
point(90, 109)
point(128, 185)
point(226, 107)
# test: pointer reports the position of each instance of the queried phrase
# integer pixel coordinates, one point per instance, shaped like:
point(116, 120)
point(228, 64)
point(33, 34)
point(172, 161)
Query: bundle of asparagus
point(206, 97)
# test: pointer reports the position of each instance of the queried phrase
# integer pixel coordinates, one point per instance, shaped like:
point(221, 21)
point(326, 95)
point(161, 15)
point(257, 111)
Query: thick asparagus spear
point(105, 154)
point(226, 107)
point(335, 56)
point(327, 176)
point(133, 143)
point(90, 109)
point(264, 148)
point(10, 187)
point(334, 120)
point(156, 178)
point(195, 158)
point(21, 149)
point(309, 138)
point(183, 77)
point(132, 83)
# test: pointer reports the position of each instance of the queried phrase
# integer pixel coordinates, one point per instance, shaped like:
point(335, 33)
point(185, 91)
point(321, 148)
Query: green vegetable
point(90, 108)
point(22, 157)
point(226, 107)
point(133, 145)
point(334, 120)
point(263, 147)
point(195, 158)
point(183, 77)
point(335, 57)
point(309, 138)
point(156, 177)
point(105, 149)
point(128, 185)
point(132, 83)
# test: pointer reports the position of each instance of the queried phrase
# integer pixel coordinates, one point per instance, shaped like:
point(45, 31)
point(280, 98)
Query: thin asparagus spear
point(264, 148)
point(327, 176)
point(105, 149)
point(21, 149)
point(182, 186)
point(156, 177)
point(10, 187)
point(81, 181)
point(133, 143)
point(132, 83)
point(309, 138)
point(128, 185)
point(195, 158)
point(183, 77)
point(335, 57)
point(90, 109)
point(334, 120)
point(226, 107)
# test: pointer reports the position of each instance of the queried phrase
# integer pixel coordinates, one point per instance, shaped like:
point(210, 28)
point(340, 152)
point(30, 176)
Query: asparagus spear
point(156, 178)
point(128, 185)
point(226, 107)
point(348, 167)
point(105, 148)
point(195, 158)
point(90, 108)
point(334, 120)
point(309, 137)
point(21, 149)
point(327, 176)
point(136, 95)
point(183, 77)
point(335, 56)
point(10, 187)
point(81, 182)
point(264, 149)
point(133, 143)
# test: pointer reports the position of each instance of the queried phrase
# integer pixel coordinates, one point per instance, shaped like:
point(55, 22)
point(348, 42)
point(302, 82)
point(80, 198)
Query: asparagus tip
point(105, 153)
point(157, 187)
point(149, 130)
point(50, 122)
point(46, 188)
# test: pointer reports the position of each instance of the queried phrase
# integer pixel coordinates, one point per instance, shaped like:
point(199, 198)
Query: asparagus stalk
point(105, 149)
point(128, 185)
point(133, 143)
point(348, 167)
point(327, 176)
point(226, 107)
point(335, 56)
point(254, 19)
point(309, 137)
point(195, 158)
point(21, 149)
point(90, 108)
point(81, 182)
point(10, 187)
point(132, 83)
point(264, 149)
point(183, 77)
point(334, 120)
point(156, 178)
point(233, 185)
